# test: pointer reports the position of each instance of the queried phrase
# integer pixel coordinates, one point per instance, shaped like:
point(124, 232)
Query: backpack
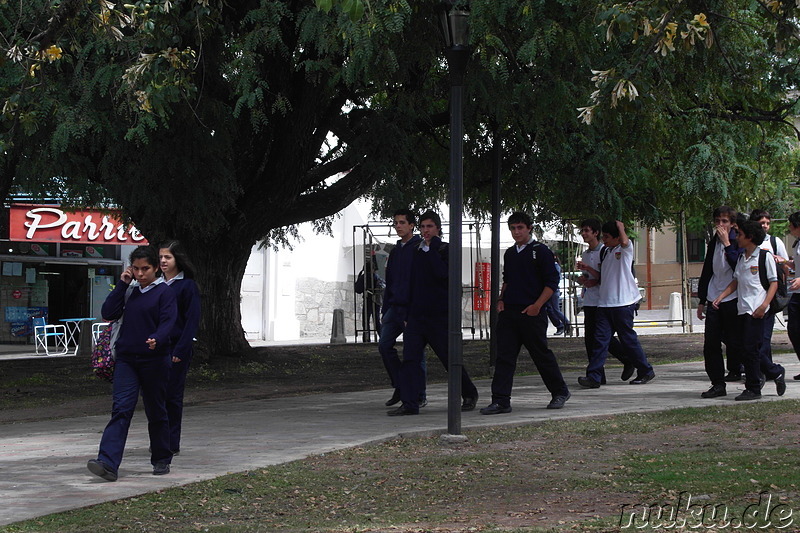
point(781, 298)
point(102, 356)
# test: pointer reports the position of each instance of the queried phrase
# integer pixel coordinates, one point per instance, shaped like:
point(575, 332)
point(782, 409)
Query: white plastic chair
point(97, 327)
point(43, 332)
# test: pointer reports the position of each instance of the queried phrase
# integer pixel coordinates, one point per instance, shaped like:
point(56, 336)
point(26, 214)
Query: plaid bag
point(102, 355)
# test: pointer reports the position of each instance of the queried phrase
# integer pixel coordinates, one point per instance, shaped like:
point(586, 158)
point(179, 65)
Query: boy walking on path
point(753, 305)
point(396, 298)
point(619, 294)
point(721, 323)
point(590, 262)
point(427, 319)
point(529, 280)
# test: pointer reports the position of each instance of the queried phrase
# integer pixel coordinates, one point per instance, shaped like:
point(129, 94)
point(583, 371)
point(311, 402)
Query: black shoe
point(733, 376)
point(402, 411)
point(99, 468)
point(395, 399)
point(159, 469)
point(748, 395)
point(423, 402)
point(495, 409)
point(176, 452)
point(715, 392)
point(627, 372)
point(797, 377)
point(588, 383)
point(559, 331)
point(469, 403)
point(780, 383)
point(641, 380)
point(558, 401)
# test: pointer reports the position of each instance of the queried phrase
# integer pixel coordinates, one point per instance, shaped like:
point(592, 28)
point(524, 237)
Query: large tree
point(225, 123)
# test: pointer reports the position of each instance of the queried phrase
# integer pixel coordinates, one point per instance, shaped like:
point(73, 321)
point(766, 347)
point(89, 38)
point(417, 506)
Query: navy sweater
point(398, 274)
point(527, 273)
point(149, 315)
point(188, 318)
point(429, 274)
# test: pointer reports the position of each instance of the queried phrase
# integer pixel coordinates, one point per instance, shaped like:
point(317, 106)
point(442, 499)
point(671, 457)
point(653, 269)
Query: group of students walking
point(156, 305)
point(415, 305)
point(737, 285)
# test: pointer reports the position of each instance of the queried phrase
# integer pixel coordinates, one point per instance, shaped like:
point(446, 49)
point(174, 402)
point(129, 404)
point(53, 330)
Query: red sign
point(53, 224)
point(17, 294)
point(482, 297)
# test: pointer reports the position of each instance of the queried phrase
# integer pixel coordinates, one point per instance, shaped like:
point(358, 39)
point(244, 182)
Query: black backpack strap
point(773, 240)
point(762, 268)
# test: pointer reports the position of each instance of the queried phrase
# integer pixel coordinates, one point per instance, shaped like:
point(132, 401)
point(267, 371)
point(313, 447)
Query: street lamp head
point(454, 20)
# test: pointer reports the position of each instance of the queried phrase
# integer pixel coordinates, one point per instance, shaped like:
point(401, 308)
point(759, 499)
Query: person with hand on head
point(179, 274)
point(721, 322)
point(616, 307)
point(142, 362)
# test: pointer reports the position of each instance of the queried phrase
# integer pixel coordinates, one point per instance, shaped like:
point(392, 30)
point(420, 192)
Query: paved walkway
point(43, 464)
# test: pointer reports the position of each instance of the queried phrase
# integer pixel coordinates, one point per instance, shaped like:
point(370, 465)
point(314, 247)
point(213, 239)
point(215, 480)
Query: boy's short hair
point(753, 231)
point(593, 224)
point(611, 228)
point(725, 210)
point(794, 219)
point(518, 217)
point(758, 214)
point(432, 215)
point(410, 218)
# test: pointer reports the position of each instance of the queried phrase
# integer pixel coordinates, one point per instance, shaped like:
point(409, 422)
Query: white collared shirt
point(751, 292)
point(157, 281)
point(179, 275)
point(722, 274)
point(520, 248)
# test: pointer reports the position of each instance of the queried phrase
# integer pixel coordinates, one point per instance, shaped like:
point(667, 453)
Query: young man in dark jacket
point(396, 297)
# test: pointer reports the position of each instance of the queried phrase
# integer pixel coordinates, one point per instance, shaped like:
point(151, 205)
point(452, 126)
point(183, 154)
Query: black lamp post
point(454, 19)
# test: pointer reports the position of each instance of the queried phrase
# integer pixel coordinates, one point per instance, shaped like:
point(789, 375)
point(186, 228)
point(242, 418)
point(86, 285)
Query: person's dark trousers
point(617, 320)
point(392, 326)
point(769, 368)
point(370, 310)
point(793, 325)
point(554, 311)
point(133, 373)
point(175, 390)
point(421, 331)
point(514, 330)
point(721, 326)
point(614, 347)
point(751, 334)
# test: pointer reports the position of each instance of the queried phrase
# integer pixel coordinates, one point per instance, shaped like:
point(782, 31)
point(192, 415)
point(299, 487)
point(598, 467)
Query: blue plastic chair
point(44, 333)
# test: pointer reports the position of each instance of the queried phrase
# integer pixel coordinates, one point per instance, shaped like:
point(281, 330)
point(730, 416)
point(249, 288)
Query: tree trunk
point(220, 269)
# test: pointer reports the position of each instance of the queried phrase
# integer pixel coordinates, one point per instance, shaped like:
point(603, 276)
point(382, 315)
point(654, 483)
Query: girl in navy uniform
point(179, 274)
point(142, 362)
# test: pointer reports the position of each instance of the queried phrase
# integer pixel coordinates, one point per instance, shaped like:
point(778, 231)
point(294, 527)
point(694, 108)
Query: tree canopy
point(225, 123)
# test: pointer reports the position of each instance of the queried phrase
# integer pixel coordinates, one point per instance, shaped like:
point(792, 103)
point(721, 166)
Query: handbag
point(103, 357)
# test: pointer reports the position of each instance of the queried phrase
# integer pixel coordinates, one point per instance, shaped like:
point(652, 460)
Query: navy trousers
point(392, 326)
point(617, 320)
point(615, 348)
point(132, 374)
point(422, 331)
point(770, 368)
point(721, 328)
point(514, 330)
point(793, 326)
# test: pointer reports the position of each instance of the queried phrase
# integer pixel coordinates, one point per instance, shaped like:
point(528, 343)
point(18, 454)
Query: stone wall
point(316, 300)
